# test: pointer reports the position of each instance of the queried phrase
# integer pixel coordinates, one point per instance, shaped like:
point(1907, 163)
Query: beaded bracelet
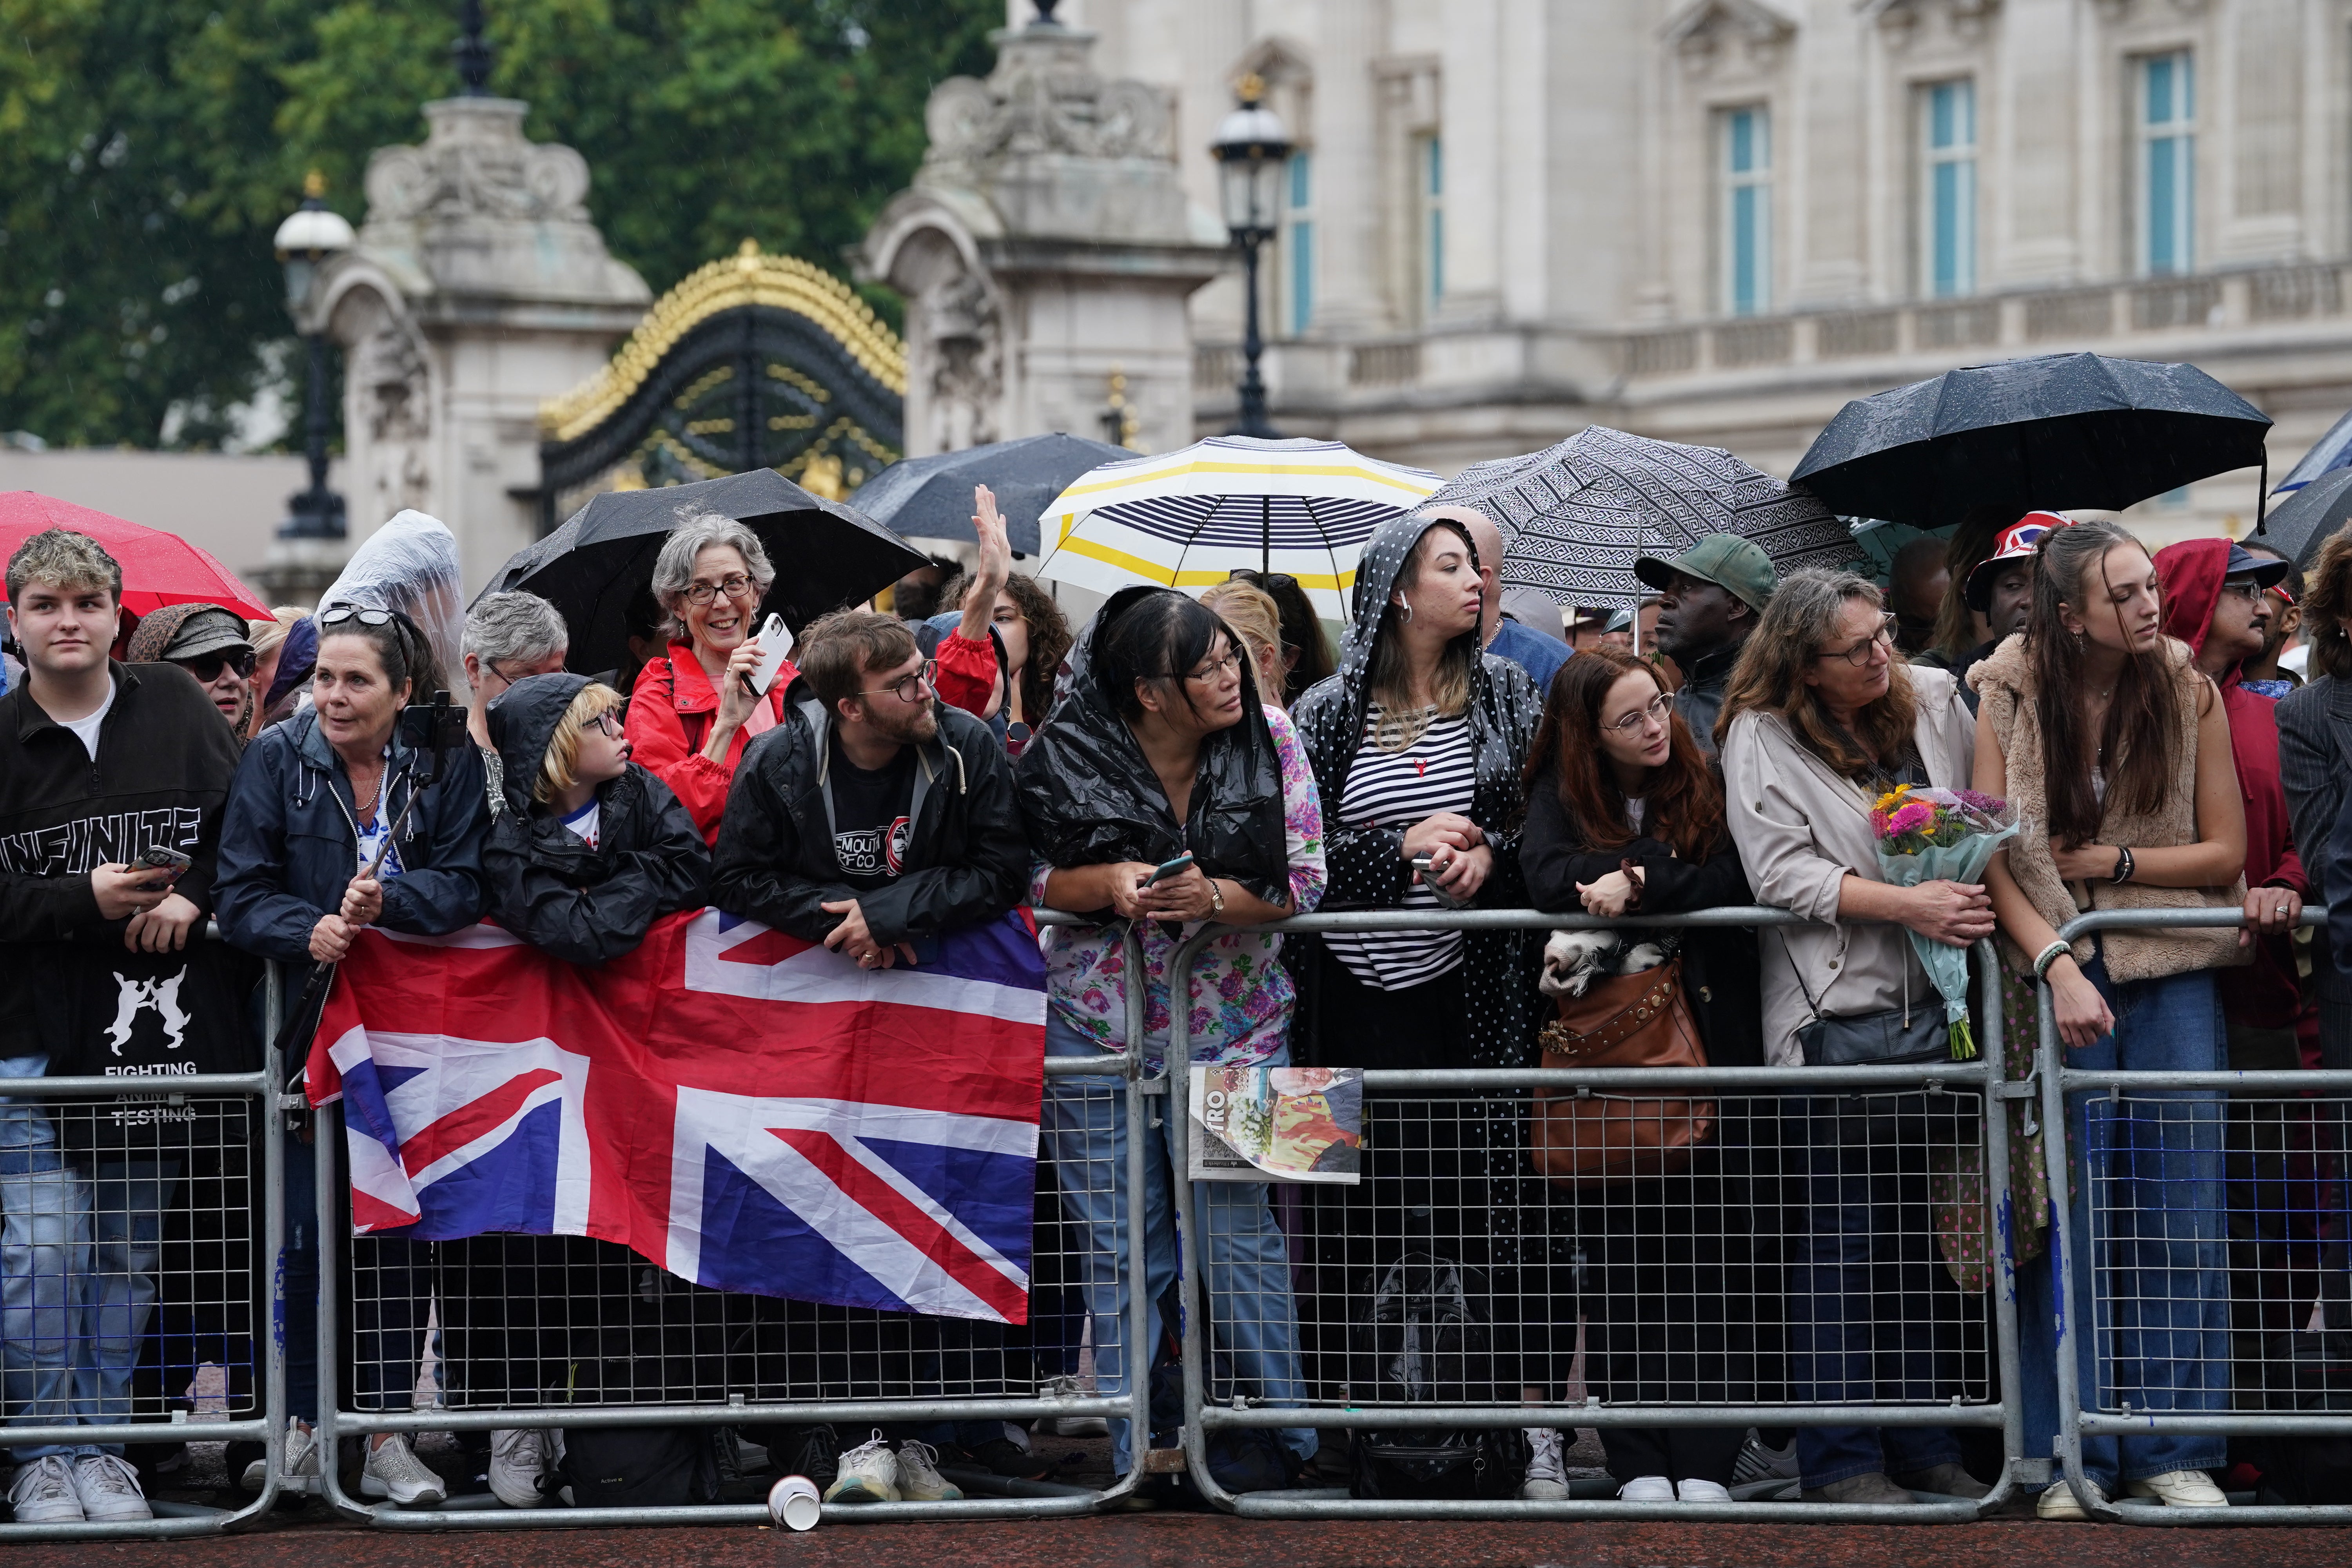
point(2048, 956)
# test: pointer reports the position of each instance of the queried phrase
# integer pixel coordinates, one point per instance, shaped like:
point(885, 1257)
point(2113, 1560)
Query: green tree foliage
point(150, 148)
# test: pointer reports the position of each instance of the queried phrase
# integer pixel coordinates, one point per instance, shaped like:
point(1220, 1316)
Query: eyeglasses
point(2245, 588)
point(1216, 670)
point(1262, 579)
point(206, 667)
point(735, 585)
point(1658, 711)
point(1859, 654)
point(366, 617)
point(609, 721)
point(909, 688)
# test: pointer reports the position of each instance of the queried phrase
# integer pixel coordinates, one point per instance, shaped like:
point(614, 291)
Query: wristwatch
point(2124, 864)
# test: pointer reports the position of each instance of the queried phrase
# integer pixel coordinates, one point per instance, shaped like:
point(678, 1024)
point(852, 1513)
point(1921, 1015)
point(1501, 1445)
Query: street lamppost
point(309, 237)
point(1252, 150)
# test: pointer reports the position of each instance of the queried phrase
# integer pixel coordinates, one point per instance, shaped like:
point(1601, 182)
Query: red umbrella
point(157, 568)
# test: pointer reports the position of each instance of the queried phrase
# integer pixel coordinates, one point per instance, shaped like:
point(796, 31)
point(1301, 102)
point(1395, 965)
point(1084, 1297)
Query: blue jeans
point(1246, 1255)
point(76, 1275)
point(2155, 1163)
point(1862, 1274)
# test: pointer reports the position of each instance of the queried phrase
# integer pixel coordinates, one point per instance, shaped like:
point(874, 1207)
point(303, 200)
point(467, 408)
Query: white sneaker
point(2058, 1503)
point(392, 1470)
point(43, 1492)
point(1066, 1386)
point(109, 1490)
point(519, 1465)
point(1647, 1489)
point(2181, 1489)
point(302, 1452)
point(1547, 1468)
point(918, 1475)
point(1693, 1490)
point(869, 1473)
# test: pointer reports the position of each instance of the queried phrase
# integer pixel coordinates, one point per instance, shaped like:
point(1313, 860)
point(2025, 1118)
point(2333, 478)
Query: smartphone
point(1425, 864)
point(1167, 868)
point(775, 640)
point(158, 858)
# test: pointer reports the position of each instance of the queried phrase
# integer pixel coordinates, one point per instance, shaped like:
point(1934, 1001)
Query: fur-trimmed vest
point(2004, 682)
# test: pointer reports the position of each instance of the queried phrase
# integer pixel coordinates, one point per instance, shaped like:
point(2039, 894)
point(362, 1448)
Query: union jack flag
point(750, 1111)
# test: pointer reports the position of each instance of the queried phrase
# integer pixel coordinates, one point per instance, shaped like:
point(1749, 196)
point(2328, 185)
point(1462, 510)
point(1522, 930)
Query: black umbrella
point(2050, 432)
point(825, 555)
point(930, 497)
point(2300, 525)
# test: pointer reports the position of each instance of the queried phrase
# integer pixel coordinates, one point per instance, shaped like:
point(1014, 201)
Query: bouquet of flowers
point(1928, 834)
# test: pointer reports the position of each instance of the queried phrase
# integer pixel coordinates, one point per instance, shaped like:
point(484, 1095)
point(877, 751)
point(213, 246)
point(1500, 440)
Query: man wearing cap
point(2217, 600)
point(2001, 590)
point(210, 643)
point(1709, 597)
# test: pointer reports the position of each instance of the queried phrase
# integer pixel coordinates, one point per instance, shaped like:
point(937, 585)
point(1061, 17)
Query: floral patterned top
point(1241, 993)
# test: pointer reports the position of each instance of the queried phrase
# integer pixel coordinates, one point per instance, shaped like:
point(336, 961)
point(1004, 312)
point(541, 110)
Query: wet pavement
point(1184, 1540)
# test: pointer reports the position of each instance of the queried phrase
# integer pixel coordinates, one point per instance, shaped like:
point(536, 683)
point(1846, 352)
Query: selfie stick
point(427, 774)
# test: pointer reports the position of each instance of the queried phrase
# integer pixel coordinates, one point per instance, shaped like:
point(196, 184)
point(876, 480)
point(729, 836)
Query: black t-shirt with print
point(870, 823)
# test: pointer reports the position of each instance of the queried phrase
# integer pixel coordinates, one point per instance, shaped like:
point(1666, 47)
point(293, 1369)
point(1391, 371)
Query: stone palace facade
point(1716, 220)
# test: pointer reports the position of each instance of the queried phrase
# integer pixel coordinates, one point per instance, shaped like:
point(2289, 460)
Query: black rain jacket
point(966, 861)
point(546, 886)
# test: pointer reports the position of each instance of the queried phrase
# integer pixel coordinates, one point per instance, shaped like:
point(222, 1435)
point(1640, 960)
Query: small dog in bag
point(1573, 960)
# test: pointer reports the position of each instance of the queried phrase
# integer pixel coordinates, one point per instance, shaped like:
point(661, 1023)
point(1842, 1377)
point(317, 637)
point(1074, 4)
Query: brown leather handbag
point(1627, 1021)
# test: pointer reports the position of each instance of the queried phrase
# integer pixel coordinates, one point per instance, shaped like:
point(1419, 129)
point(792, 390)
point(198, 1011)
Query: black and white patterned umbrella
point(1576, 516)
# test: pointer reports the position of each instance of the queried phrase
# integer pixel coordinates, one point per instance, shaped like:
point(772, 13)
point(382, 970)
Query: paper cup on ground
point(792, 1502)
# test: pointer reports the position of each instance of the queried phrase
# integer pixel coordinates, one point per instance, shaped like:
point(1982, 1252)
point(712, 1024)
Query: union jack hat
point(2018, 542)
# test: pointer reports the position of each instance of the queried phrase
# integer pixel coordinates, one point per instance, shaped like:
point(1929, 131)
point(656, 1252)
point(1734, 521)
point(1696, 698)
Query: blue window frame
point(1948, 186)
point(1747, 217)
point(2168, 162)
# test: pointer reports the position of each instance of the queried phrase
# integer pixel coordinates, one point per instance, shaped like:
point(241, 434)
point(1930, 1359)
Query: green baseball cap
point(1732, 563)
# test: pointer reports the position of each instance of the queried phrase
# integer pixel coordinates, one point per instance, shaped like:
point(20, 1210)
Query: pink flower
point(1912, 817)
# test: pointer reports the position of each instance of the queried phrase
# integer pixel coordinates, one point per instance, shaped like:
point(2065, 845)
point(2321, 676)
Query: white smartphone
point(775, 640)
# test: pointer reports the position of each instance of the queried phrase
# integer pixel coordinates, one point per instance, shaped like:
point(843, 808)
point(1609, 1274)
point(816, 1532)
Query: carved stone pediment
point(1900, 21)
point(1044, 97)
point(1706, 32)
point(481, 209)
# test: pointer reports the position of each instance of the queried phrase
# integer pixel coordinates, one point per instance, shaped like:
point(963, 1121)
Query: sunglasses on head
point(206, 667)
point(366, 617)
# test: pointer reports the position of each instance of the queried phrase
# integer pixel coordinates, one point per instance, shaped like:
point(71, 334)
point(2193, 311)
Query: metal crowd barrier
point(698, 1358)
point(1215, 1404)
point(154, 1211)
point(2204, 1102)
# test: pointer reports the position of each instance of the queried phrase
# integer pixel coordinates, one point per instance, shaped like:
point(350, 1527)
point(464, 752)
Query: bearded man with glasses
point(871, 818)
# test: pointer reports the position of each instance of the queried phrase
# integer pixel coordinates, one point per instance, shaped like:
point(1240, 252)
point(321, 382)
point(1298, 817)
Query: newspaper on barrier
point(1282, 1124)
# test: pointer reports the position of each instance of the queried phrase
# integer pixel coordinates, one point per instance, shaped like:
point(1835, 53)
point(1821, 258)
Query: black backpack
point(639, 1467)
point(2309, 1374)
point(1423, 1336)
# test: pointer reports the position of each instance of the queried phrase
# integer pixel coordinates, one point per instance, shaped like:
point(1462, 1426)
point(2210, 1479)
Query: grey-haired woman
point(691, 713)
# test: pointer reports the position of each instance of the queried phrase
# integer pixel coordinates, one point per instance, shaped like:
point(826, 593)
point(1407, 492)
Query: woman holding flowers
point(1819, 722)
point(2116, 752)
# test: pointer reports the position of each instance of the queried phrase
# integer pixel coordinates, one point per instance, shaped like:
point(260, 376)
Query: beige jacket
point(2004, 684)
point(1802, 829)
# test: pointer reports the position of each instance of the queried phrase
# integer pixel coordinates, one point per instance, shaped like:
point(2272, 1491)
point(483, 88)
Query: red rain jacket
point(671, 709)
point(2263, 995)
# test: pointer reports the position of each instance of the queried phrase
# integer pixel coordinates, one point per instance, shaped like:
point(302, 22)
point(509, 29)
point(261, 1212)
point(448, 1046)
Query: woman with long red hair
point(1625, 816)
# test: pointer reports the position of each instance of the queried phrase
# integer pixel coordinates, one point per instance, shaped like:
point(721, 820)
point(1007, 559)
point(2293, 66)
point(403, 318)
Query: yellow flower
point(1893, 798)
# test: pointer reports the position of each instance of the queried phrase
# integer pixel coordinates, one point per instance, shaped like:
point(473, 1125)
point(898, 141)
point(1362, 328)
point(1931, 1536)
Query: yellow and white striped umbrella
point(1190, 518)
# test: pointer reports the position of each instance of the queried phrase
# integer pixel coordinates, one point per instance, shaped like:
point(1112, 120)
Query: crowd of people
point(1182, 763)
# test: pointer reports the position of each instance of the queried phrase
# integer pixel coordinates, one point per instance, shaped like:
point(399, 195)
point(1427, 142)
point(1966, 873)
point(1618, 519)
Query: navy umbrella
point(2300, 525)
point(2049, 432)
point(825, 555)
point(930, 497)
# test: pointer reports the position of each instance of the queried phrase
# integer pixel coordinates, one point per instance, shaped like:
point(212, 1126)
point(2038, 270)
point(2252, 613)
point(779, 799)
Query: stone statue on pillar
point(1044, 246)
point(478, 287)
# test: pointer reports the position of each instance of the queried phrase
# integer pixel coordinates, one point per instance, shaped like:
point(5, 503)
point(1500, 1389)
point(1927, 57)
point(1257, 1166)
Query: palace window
point(1433, 218)
point(1299, 243)
point(1745, 158)
point(1948, 187)
point(2166, 151)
